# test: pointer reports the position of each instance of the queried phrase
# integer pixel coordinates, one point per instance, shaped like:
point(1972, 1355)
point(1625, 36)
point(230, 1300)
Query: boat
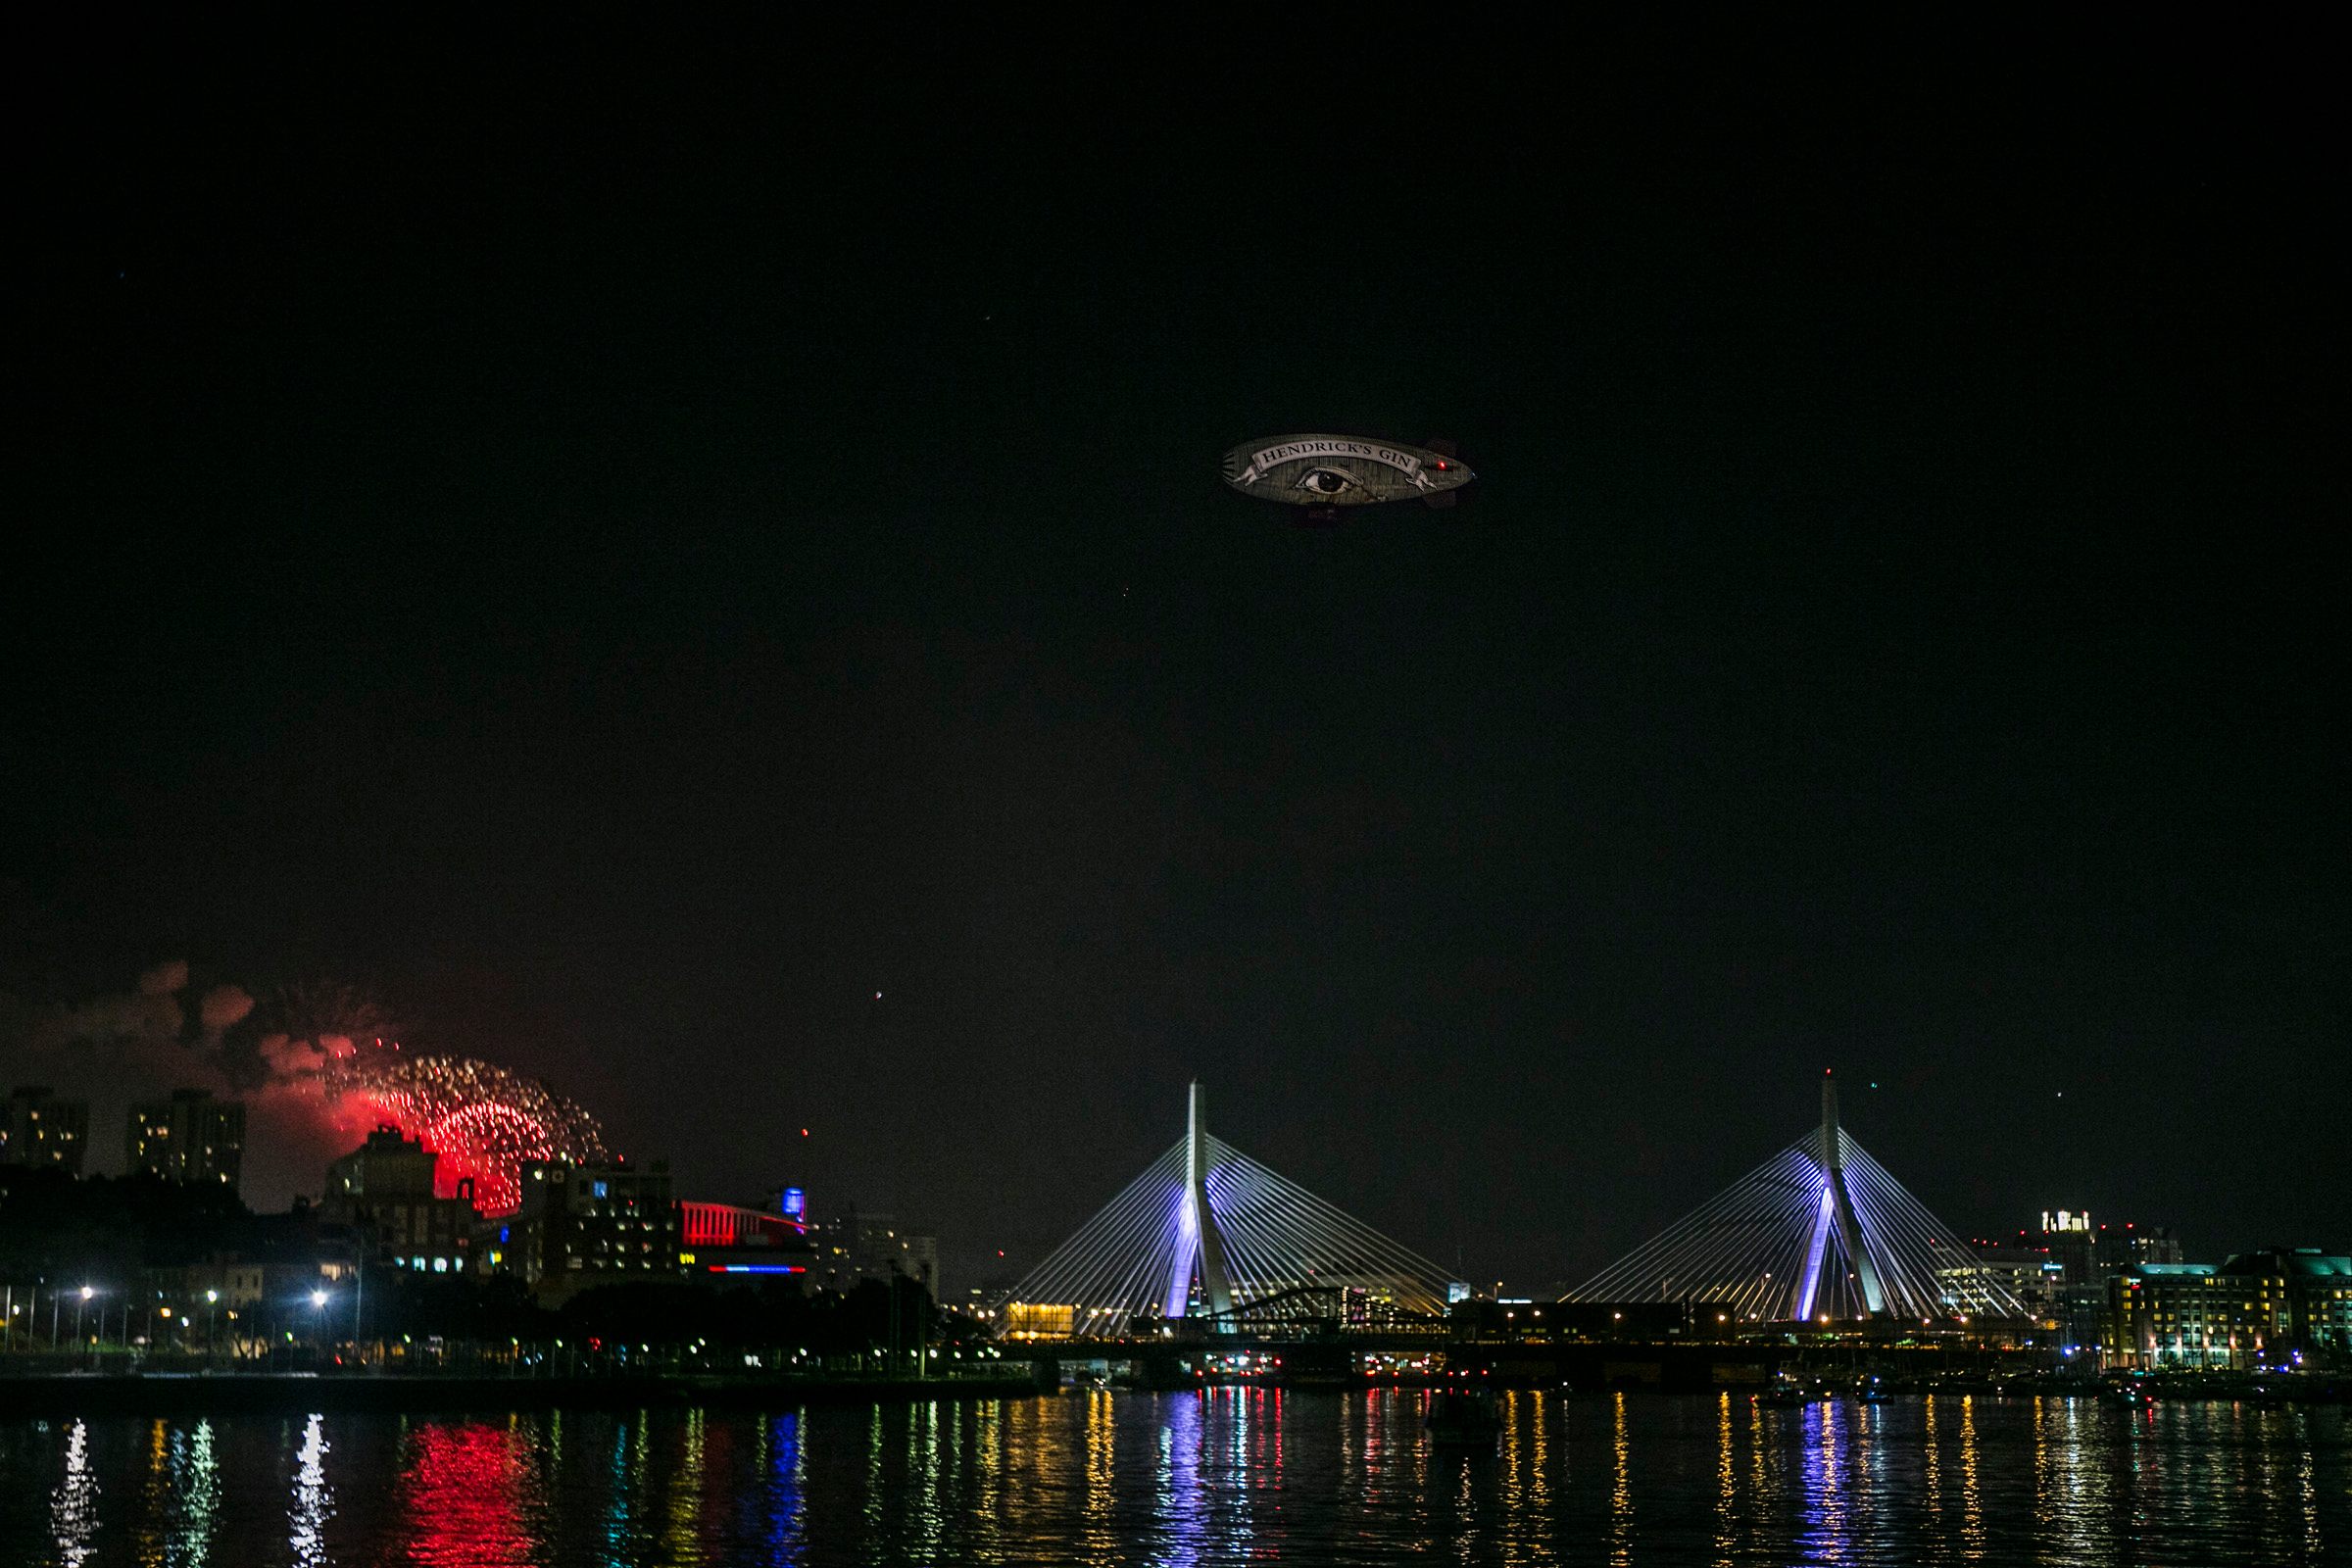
point(1783, 1397)
point(1464, 1418)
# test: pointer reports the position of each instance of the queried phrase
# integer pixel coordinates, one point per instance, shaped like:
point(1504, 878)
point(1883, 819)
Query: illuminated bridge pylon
point(1203, 1231)
point(1819, 1230)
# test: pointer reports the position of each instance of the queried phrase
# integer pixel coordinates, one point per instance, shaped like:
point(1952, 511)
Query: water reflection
point(1726, 1495)
point(2306, 1492)
point(464, 1495)
point(1932, 1470)
point(618, 1522)
point(179, 1503)
point(1521, 1507)
point(1099, 1508)
point(1237, 1474)
point(1871, 1499)
point(681, 1535)
point(1539, 1486)
point(1761, 1460)
point(1621, 1491)
point(1253, 1460)
point(2045, 1499)
point(787, 1486)
point(1825, 1533)
point(73, 1505)
point(876, 1500)
point(1183, 1523)
point(1972, 1507)
point(313, 1502)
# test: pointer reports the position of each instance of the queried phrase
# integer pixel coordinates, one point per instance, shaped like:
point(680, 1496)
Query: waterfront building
point(2319, 1301)
point(2185, 1315)
point(853, 1246)
point(2198, 1317)
point(386, 1189)
point(2022, 1269)
point(720, 1243)
point(37, 1128)
point(581, 1226)
point(223, 1282)
point(2061, 1273)
point(190, 1136)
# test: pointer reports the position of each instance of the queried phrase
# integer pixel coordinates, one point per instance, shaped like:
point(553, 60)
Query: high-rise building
point(37, 1128)
point(2071, 1242)
point(2074, 1283)
point(2119, 1246)
point(189, 1137)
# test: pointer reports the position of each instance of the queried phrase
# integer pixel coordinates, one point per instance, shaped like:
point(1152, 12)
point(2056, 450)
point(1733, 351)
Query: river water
point(1225, 1476)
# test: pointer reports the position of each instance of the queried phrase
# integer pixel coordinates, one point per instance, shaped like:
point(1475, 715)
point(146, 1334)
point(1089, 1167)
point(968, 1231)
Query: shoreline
point(55, 1394)
point(42, 1396)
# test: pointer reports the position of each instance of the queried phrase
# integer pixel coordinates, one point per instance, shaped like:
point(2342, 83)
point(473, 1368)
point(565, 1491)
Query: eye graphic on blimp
point(1320, 474)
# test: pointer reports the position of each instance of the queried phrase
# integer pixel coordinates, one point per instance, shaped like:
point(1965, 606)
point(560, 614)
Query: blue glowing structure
point(1200, 1246)
point(1818, 1231)
point(1205, 1229)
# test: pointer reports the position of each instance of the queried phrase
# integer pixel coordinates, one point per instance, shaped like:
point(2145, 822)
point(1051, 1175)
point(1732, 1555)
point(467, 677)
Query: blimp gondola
point(1318, 477)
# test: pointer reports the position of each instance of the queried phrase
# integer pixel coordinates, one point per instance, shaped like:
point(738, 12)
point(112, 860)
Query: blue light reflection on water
point(1194, 1477)
point(782, 1435)
point(1178, 1498)
point(1823, 1539)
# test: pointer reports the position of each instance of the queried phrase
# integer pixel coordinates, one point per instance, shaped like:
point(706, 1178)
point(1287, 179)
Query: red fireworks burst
point(483, 1121)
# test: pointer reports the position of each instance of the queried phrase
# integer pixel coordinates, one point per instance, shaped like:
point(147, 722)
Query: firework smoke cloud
point(317, 1069)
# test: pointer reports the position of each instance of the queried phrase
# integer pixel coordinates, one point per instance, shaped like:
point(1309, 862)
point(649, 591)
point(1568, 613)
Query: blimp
point(1319, 474)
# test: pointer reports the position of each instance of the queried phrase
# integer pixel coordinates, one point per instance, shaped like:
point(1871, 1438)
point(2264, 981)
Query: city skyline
point(1633, 1275)
point(707, 587)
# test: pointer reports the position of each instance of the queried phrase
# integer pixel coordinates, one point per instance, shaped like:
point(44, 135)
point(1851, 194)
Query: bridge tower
point(1198, 1241)
point(1206, 1224)
point(1819, 1230)
point(1837, 1209)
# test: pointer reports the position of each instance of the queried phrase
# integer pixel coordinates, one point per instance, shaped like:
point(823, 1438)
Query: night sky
point(628, 546)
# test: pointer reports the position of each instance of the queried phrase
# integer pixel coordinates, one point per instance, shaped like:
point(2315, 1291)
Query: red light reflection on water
point(465, 1494)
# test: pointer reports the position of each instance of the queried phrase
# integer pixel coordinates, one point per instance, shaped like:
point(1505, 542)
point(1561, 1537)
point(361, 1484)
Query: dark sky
point(627, 546)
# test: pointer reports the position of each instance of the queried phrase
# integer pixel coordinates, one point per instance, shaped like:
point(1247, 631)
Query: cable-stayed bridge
point(1819, 1232)
point(1210, 1237)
